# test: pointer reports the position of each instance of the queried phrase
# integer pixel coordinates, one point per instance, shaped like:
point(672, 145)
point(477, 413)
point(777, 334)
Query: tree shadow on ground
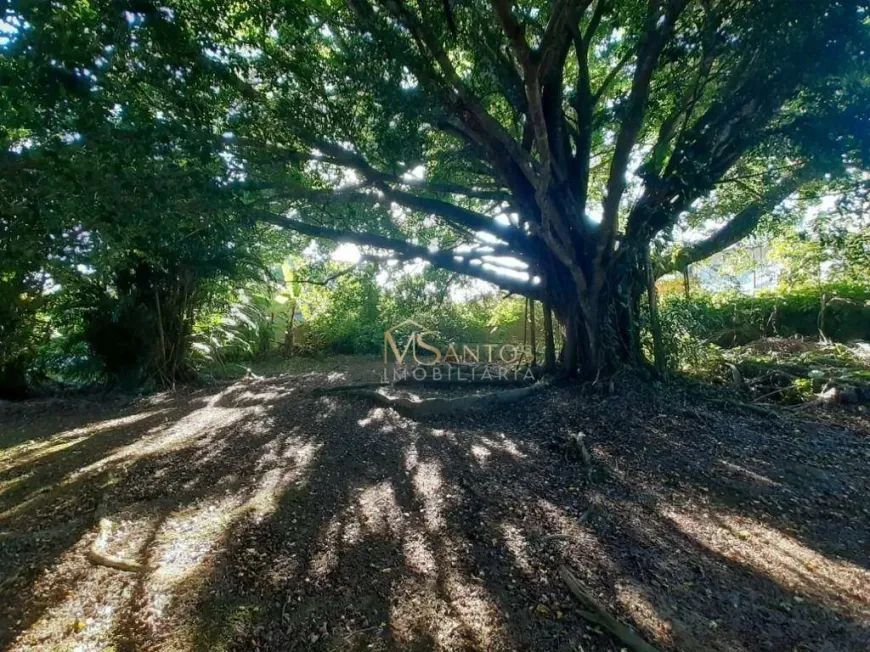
point(407, 523)
point(801, 478)
point(54, 480)
point(279, 520)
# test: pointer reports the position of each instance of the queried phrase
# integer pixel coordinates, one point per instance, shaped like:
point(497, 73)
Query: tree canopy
point(546, 147)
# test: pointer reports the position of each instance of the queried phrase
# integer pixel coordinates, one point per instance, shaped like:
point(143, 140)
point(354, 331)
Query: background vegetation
point(134, 165)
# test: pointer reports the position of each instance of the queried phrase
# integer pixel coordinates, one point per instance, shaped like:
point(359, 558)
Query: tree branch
point(452, 213)
point(659, 27)
point(403, 250)
point(557, 37)
point(611, 76)
point(529, 62)
point(471, 111)
point(741, 225)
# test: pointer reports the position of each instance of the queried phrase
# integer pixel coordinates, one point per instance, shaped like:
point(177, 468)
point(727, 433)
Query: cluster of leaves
point(118, 220)
point(352, 315)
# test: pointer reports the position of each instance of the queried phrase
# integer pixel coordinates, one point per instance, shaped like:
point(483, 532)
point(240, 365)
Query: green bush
point(730, 319)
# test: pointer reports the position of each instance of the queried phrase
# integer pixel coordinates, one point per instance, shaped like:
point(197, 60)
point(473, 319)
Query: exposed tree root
point(559, 535)
point(748, 407)
point(737, 378)
point(460, 405)
point(95, 553)
point(101, 559)
point(343, 389)
point(599, 616)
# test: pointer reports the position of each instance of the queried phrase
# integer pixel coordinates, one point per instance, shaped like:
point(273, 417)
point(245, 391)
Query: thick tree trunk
point(569, 356)
point(601, 332)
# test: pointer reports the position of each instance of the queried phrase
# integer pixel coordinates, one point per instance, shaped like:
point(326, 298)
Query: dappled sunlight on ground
point(636, 603)
point(31, 451)
point(431, 492)
point(270, 517)
point(516, 543)
point(173, 543)
point(799, 569)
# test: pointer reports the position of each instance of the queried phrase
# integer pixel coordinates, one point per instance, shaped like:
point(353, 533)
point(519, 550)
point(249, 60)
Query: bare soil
point(271, 517)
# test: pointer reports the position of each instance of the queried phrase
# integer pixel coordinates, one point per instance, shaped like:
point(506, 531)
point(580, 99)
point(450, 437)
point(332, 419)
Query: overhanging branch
point(453, 214)
point(741, 225)
point(404, 250)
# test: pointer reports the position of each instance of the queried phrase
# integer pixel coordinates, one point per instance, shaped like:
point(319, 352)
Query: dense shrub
point(731, 319)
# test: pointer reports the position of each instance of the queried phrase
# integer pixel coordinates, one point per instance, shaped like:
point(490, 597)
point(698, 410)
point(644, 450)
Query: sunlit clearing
point(175, 548)
point(183, 433)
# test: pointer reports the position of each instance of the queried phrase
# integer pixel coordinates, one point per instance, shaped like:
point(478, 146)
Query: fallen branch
point(599, 616)
point(749, 407)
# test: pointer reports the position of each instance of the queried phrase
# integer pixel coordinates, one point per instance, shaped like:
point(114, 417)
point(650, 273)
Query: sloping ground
point(272, 518)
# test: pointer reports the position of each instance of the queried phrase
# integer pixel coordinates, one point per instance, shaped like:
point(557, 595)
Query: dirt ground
point(269, 517)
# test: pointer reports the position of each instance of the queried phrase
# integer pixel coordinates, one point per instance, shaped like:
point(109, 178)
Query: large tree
point(546, 147)
point(118, 222)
